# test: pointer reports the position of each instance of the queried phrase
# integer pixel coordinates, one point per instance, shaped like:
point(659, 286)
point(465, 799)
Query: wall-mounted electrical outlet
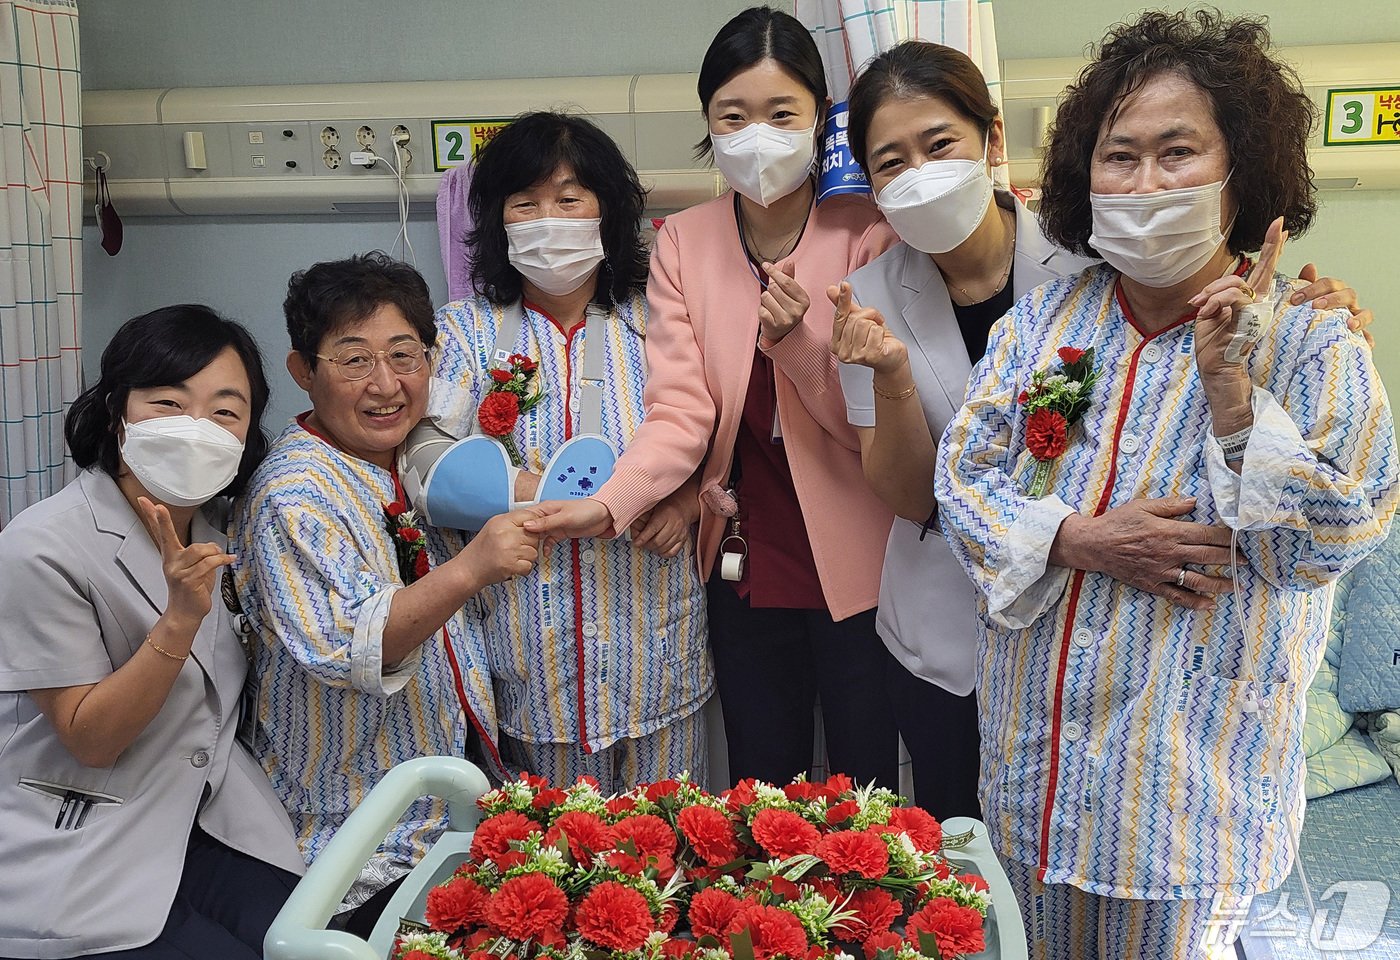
point(330, 136)
point(400, 135)
point(331, 158)
point(365, 136)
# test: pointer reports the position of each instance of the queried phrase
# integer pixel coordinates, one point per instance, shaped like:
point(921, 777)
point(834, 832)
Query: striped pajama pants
point(679, 747)
point(1065, 923)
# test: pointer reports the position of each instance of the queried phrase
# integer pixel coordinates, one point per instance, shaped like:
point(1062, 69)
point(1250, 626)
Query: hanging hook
point(99, 161)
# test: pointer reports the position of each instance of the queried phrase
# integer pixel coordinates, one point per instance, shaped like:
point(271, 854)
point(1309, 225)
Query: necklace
point(755, 256)
point(1010, 259)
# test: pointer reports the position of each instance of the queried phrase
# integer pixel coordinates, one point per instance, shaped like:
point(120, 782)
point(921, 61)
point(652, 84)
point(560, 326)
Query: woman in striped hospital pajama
point(1141, 706)
point(599, 657)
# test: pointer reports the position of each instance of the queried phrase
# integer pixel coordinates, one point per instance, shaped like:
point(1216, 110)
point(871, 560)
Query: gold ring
point(1249, 291)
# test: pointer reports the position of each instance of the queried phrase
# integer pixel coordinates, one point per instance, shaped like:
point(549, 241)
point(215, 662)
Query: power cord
point(369, 158)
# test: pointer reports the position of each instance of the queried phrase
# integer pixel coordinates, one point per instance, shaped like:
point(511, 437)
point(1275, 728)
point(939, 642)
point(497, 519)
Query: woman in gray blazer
point(132, 821)
point(909, 326)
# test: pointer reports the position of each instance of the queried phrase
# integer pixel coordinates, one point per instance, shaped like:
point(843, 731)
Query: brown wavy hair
point(1258, 103)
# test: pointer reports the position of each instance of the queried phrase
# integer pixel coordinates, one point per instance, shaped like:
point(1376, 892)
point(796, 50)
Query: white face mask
point(181, 461)
point(556, 254)
point(936, 207)
point(765, 163)
point(1158, 239)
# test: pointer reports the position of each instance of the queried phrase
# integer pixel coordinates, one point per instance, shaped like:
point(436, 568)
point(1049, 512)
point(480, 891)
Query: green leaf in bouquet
point(795, 868)
point(928, 945)
point(741, 945)
point(759, 872)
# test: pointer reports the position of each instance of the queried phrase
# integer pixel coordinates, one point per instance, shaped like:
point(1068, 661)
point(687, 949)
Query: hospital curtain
point(41, 165)
point(850, 32)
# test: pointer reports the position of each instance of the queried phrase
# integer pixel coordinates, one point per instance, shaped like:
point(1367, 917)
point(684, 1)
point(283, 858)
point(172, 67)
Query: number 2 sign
point(1362, 116)
point(457, 142)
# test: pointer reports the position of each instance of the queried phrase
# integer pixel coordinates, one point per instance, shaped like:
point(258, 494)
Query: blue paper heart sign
point(578, 468)
point(468, 485)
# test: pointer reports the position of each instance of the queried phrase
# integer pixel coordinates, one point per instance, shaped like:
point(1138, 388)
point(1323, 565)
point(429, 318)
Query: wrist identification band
point(164, 652)
point(1234, 445)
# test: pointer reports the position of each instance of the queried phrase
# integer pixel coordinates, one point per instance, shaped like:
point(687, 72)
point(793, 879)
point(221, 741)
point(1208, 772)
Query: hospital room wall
point(240, 265)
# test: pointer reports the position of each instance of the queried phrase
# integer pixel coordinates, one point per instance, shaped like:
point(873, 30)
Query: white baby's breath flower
point(770, 793)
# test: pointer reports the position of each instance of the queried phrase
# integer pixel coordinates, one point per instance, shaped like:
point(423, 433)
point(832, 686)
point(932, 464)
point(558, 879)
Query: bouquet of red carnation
point(1055, 402)
point(510, 396)
point(410, 543)
point(809, 871)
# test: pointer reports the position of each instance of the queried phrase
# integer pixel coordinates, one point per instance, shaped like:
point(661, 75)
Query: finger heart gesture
point(859, 334)
point(783, 303)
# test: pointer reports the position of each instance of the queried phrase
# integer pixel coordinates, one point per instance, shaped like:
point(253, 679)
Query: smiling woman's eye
point(889, 164)
point(940, 145)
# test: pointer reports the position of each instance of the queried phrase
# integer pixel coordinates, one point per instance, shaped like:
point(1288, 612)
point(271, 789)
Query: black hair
point(529, 150)
point(331, 296)
point(752, 36)
point(160, 349)
point(1264, 117)
point(917, 68)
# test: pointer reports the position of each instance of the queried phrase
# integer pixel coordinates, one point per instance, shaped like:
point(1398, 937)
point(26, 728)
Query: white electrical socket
point(400, 135)
point(331, 158)
point(365, 135)
point(330, 136)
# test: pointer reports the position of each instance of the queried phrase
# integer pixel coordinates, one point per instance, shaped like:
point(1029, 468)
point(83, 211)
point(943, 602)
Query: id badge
point(247, 731)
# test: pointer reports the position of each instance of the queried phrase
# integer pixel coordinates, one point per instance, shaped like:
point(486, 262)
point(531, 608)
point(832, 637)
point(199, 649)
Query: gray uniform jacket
point(927, 613)
point(92, 857)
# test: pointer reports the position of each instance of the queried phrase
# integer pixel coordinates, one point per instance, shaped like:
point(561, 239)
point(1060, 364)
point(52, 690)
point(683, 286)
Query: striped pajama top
point(316, 571)
point(602, 641)
point(1117, 751)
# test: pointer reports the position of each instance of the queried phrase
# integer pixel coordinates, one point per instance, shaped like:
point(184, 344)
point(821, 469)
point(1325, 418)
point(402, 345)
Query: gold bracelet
point(164, 652)
point(906, 392)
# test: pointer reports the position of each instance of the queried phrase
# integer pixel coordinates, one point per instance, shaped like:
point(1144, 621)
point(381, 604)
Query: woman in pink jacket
point(744, 391)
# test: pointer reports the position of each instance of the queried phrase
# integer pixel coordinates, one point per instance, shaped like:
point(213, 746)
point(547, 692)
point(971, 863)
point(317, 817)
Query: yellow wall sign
point(456, 142)
point(1366, 115)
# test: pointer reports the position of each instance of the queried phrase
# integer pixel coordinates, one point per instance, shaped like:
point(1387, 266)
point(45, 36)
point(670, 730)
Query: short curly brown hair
point(1258, 103)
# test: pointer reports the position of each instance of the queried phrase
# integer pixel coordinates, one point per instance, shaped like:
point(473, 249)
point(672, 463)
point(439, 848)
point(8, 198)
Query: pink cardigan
point(700, 338)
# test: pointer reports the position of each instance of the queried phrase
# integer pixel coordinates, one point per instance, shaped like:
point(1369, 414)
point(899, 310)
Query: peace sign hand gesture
point(190, 572)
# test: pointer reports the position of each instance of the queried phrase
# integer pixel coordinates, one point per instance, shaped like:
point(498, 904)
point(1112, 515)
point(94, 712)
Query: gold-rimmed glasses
point(356, 363)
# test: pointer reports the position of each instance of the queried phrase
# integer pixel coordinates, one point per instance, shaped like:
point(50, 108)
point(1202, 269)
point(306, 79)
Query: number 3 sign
point(1362, 116)
point(457, 142)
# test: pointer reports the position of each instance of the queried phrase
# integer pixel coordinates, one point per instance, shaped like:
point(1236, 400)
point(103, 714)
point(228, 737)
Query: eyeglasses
point(357, 363)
